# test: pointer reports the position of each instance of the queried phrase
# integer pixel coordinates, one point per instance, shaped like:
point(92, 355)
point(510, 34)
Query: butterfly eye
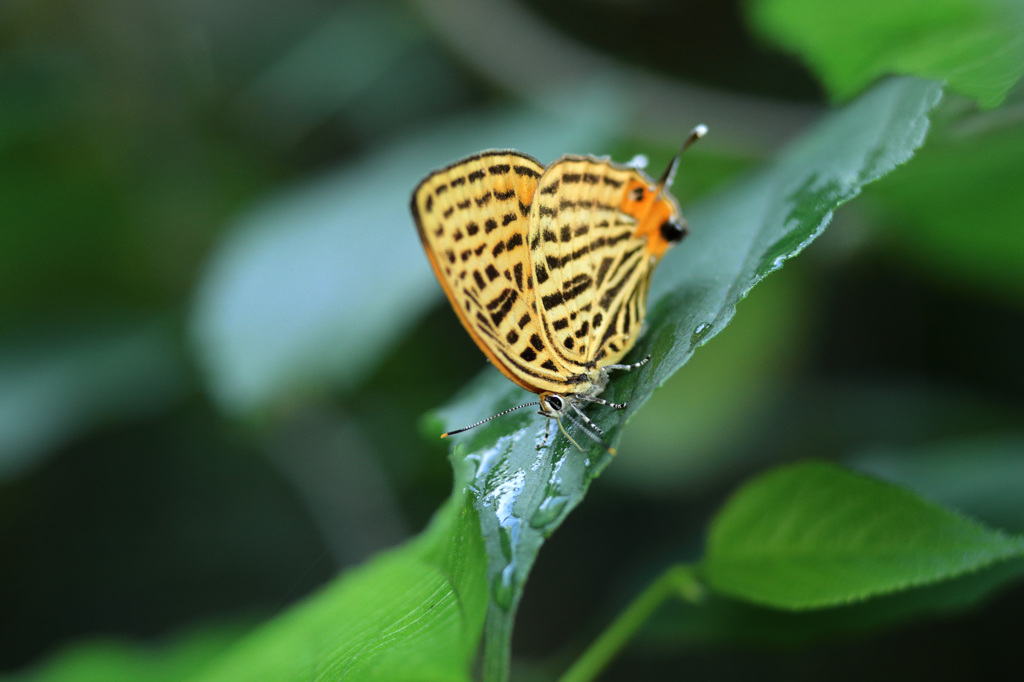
point(637, 194)
point(555, 403)
point(673, 231)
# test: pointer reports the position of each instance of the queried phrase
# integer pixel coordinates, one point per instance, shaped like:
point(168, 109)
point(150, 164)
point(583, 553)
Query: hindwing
point(473, 218)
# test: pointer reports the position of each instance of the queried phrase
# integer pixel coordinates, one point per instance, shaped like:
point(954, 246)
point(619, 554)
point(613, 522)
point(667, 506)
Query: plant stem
point(679, 581)
point(497, 645)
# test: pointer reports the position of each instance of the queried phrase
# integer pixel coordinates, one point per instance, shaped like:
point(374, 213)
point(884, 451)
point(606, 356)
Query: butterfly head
point(663, 226)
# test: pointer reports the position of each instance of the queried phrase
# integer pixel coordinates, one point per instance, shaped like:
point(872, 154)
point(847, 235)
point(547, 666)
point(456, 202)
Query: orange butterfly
point(548, 268)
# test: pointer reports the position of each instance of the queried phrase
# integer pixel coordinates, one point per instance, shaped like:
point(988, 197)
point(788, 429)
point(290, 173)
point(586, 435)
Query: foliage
point(976, 47)
point(220, 334)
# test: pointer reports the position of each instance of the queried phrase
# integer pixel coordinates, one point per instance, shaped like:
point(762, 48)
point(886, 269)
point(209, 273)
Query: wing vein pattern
point(547, 268)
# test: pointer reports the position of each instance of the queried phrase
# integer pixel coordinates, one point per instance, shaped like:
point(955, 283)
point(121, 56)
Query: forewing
point(473, 219)
point(590, 267)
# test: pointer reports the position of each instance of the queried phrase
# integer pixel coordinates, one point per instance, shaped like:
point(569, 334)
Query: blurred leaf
point(112, 177)
point(118, 661)
point(982, 477)
point(958, 210)
point(413, 613)
point(312, 287)
point(812, 535)
point(58, 383)
point(524, 477)
point(315, 79)
point(975, 46)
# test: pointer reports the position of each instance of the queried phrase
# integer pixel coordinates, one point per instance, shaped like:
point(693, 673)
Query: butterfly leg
point(556, 408)
point(601, 401)
point(589, 429)
point(557, 417)
point(585, 418)
point(548, 436)
point(635, 365)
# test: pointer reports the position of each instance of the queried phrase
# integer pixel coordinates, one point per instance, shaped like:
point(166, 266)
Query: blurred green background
point(219, 334)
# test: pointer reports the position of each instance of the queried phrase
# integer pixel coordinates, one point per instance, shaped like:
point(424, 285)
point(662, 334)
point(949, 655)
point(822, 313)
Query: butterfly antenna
point(484, 421)
point(670, 172)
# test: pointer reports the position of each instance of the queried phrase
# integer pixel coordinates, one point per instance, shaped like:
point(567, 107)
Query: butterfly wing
point(594, 242)
point(473, 220)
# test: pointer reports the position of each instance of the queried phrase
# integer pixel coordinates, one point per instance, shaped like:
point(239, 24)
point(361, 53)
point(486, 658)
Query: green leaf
point(813, 535)
point(968, 472)
point(312, 287)
point(413, 613)
point(975, 46)
point(523, 476)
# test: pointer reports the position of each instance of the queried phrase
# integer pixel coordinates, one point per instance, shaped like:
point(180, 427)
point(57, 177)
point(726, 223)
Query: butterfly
point(548, 267)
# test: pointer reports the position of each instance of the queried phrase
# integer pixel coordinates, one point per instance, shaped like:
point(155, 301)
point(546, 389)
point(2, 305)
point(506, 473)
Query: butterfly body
point(547, 267)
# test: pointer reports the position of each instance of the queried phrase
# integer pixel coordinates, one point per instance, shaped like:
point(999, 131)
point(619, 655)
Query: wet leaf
point(524, 476)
